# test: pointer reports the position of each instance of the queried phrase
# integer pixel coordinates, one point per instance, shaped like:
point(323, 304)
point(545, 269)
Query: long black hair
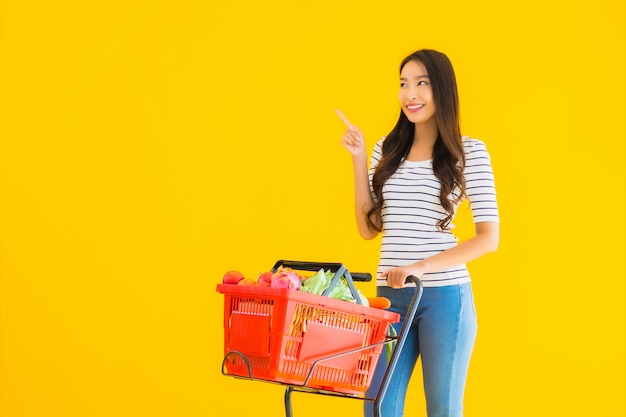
point(448, 154)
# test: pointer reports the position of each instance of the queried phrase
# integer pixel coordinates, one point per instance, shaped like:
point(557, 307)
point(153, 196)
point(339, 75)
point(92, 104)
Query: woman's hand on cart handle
point(397, 277)
point(413, 279)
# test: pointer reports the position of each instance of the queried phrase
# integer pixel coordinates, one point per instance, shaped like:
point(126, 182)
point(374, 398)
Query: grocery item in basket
point(285, 279)
point(265, 277)
point(232, 277)
point(379, 302)
point(288, 278)
point(319, 282)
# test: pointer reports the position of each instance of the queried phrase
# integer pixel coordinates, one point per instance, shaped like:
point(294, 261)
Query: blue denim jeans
point(443, 335)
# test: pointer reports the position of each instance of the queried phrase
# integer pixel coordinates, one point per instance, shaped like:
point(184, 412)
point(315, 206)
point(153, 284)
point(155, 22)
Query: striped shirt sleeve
point(480, 184)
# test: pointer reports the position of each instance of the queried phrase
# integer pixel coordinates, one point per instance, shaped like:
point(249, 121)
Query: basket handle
point(316, 266)
point(338, 268)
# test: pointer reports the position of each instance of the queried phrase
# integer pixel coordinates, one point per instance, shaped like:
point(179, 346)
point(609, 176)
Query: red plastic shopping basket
point(292, 337)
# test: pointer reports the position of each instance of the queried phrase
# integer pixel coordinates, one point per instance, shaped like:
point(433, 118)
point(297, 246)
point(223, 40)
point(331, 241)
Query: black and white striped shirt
point(412, 209)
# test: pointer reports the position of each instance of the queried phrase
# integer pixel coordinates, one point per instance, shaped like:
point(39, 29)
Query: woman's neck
point(424, 140)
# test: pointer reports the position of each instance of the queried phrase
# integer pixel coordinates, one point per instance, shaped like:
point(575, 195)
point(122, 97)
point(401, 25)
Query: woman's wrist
point(360, 159)
point(420, 268)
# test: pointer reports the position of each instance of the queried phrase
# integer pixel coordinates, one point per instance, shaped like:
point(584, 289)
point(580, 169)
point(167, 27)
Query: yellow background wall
point(149, 146)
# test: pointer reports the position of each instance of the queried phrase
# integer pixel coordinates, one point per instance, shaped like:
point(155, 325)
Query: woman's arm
point(362, 198)
point(354, 142)
point(485, 241)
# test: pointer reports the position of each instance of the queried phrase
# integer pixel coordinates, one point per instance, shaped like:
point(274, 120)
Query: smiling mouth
point(414, 107)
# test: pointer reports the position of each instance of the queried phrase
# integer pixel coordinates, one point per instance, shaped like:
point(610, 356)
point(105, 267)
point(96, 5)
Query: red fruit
point(262, 284)
point(265, 277)
point(284, 279)
point(232, 277)
point(247, 281)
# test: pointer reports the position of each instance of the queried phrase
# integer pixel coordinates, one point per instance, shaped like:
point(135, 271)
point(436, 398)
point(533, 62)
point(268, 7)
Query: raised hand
point(352, 139)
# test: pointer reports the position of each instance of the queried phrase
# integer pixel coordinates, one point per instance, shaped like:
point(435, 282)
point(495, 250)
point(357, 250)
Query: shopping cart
point(311, 343)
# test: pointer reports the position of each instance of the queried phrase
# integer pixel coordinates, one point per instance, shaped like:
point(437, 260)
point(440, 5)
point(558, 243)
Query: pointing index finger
point(344, 118)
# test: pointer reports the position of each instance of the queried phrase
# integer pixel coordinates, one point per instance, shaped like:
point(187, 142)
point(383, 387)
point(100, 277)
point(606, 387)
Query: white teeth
point(415, 106)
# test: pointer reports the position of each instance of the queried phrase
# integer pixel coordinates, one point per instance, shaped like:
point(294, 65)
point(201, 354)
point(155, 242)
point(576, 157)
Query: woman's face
point(416, 94)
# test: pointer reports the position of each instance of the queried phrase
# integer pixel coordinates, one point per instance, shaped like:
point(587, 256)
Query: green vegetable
point(321, 281)
point(341, 291)
point(315, 284)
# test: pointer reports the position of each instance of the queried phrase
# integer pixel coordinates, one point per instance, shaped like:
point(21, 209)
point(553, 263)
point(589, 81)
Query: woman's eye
point(402, 85)
point(422, 83)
